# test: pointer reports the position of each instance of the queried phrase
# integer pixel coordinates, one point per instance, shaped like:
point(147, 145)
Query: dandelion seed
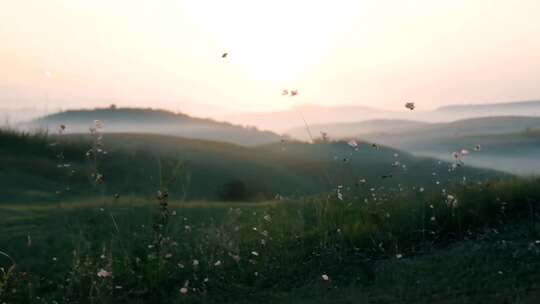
point(103, 273)
point(285, 92)
point(410, 105)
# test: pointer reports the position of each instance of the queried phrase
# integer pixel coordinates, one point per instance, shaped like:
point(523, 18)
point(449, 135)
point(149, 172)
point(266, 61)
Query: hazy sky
point(167, 53)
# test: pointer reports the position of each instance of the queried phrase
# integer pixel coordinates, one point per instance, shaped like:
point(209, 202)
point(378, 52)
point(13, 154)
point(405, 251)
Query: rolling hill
point(133, 120)
point(45, 168)
point(355, 129)
point(511, 143)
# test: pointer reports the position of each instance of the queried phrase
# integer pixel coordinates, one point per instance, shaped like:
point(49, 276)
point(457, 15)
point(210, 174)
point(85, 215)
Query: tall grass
point(171, 252)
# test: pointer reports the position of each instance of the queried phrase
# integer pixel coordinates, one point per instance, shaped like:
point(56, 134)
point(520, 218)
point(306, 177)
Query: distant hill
point(409, 138)
point(313, 114)
point(510, 143)
point(330, 115)
point(511, 152)
point(523, 108)
point(137, 164)
point(355, 129)
point(155, 122)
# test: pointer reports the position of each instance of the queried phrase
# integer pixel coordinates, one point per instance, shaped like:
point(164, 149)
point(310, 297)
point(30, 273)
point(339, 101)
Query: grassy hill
point(151, 121)
point(50, 168)
point(511, 152)
point(510, 143)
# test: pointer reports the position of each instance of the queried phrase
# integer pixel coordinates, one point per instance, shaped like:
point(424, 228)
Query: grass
point(368, 248)
point(400, 240)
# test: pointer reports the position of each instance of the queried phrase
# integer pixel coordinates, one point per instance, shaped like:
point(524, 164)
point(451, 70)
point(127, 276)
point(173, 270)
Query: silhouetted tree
point(234, 190)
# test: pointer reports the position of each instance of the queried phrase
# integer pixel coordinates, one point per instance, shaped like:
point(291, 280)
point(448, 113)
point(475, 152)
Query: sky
point(167, 53)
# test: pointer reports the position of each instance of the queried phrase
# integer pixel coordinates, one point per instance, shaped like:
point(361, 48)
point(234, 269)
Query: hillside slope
point(40, 168)
point(134, 120)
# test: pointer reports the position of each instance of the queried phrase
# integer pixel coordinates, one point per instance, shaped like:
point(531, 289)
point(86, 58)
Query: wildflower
point(195, 263)
point(451, 201)
point(325, 277)
point(352, 143)
point(267, 218)
point(409, 105)
point(399, 256)
point(180, 265)
point(206, 280)
point(168, 255)
point(217, 264)
point(464, 152)
point(102, 256)
point(421, 189)
point(339, 193)
point(55, 259)
point(102, 273)
point(255, 253)
point(433, 219)
point(183, 290)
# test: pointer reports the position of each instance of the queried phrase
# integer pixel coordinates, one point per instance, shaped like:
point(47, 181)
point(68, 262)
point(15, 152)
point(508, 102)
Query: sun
point(274, 42)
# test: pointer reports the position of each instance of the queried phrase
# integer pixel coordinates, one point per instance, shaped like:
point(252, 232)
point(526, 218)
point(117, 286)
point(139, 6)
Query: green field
point(426, 234)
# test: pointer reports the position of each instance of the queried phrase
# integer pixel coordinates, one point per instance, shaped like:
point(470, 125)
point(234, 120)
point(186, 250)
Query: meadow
point(431, 233)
